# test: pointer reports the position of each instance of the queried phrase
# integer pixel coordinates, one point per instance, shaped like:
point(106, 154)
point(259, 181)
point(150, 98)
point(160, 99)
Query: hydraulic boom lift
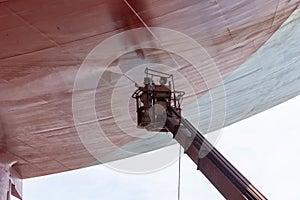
point(158, 109)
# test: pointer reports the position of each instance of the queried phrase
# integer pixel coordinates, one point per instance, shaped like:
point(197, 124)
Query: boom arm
point(217, 169)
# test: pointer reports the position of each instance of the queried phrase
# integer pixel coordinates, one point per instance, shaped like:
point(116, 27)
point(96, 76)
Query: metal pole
point(4, 182)
point(10, 179)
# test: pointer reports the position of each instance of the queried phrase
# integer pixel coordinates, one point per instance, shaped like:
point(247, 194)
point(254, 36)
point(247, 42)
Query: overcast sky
point(265, 148)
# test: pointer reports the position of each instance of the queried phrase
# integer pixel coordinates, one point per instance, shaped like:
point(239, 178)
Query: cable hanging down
point(179, 174)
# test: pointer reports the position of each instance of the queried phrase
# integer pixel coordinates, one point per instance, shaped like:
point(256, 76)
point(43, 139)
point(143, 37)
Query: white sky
point(265, 148)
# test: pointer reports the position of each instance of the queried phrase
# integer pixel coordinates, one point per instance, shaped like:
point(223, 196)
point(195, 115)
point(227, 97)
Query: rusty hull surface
point(43, 45)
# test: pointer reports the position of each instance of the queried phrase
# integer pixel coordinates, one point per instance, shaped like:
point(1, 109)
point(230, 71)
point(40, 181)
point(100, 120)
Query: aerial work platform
point(158, 109)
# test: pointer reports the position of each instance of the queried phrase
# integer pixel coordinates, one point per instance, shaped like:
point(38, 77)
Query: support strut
point(4, 182)
point(10, 180)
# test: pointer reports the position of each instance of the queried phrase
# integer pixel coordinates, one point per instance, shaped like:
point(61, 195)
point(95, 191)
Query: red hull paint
point(42, 47)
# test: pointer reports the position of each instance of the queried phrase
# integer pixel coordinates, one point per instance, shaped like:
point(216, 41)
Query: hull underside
point(43, 46)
